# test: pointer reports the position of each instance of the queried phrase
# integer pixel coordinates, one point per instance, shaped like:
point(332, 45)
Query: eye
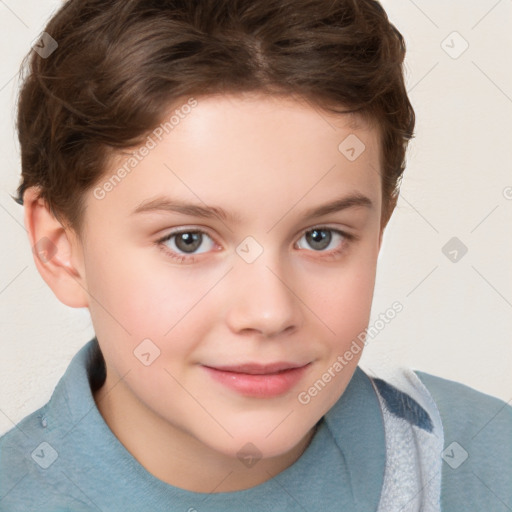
point(183, 244)
point(322, 237)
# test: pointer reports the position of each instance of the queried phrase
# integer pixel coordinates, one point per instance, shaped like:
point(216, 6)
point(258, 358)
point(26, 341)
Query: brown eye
point(183, 243)
point(188, 241)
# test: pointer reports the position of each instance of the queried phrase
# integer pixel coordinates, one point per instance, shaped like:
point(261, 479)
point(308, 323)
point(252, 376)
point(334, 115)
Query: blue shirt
point(64, 457)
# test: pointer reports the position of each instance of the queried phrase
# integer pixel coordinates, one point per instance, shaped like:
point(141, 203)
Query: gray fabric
point(414, 441)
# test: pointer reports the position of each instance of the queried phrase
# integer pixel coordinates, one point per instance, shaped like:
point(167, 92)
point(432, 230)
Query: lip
point(259, 380)
point(258, 369)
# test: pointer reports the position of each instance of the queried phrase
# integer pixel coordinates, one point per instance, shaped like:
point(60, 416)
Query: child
point(212, 179)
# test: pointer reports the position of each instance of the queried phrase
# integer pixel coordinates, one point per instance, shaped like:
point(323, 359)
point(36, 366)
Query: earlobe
point(57, 253)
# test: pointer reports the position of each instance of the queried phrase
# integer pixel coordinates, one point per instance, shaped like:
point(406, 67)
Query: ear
point(57, 251)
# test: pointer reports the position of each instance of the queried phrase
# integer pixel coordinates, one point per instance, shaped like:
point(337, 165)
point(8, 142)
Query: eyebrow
point(167, 204)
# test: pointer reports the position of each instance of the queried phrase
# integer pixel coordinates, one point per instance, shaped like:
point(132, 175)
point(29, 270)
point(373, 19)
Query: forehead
point(256, 109)
point(277, 149)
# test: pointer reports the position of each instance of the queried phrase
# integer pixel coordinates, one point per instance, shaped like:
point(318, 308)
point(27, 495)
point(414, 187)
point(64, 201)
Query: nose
point(262, 298)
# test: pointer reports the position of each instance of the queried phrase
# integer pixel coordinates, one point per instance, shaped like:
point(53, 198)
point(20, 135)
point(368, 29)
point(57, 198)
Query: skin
point(267, 160)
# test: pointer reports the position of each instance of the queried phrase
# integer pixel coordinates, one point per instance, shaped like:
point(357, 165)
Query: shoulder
point(468, 413)
point(16, 449)
point(27, 481)
point(42, 456)
point(477, 455)
point(24, 459)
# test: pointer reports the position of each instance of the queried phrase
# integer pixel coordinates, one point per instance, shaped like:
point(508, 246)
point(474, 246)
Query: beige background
point(457, 316)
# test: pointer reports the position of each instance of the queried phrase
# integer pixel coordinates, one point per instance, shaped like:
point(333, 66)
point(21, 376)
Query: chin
point(264, 441)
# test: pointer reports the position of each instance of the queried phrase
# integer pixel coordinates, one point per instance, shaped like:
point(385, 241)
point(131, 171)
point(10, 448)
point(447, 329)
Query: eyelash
point(189, 258)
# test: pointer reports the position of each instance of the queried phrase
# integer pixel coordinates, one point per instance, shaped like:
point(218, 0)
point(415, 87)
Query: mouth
point(259, 380)
point(258, 369)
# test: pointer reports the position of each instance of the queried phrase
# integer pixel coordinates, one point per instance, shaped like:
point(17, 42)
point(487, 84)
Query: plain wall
point(457, 315)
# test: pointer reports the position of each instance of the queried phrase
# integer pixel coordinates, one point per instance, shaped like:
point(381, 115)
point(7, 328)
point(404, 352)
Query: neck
point(175, 456)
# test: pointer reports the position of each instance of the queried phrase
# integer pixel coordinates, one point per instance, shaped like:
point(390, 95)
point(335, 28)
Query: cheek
point(343, 299)
point(137, 291)
point(130, 299)
point(344, 307)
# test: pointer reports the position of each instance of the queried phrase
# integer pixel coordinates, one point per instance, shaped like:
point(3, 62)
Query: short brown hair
point(120, 64)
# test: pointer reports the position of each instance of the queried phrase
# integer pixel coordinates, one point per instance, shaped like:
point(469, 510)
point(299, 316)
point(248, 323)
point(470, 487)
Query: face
point(218, 295)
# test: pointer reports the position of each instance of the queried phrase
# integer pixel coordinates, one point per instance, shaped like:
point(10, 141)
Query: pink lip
point(258, 380)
